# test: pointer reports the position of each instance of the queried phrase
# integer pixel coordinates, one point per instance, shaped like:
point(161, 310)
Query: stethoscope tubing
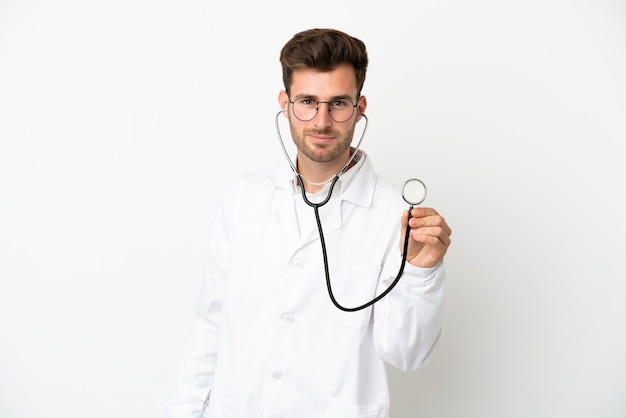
point(316, 207)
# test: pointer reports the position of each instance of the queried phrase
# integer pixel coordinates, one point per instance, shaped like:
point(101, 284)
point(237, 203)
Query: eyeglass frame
point(354, 106)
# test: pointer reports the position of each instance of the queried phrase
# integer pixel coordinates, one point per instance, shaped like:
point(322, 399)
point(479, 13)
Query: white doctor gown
point(268, 342)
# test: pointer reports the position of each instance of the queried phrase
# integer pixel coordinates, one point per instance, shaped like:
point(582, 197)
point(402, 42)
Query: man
point(268, 341)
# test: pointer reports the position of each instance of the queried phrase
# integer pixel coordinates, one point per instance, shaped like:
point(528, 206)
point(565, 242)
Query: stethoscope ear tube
point(282, 143)
point(293, 166)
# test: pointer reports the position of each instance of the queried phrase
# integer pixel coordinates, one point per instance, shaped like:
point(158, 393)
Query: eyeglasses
point(339, 110)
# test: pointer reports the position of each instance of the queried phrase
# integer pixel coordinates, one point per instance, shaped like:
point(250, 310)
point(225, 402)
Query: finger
point(426, 251)
point(423, 235)
point(429, 221)
point(404, 218)
point(420, 212)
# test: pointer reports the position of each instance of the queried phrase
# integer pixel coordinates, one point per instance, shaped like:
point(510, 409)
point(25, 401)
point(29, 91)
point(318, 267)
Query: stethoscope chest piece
point(414, 192)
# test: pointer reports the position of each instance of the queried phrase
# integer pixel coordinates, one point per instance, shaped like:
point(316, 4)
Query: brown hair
point(323, 50)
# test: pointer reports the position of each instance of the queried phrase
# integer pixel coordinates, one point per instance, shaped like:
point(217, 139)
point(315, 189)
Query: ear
point(283, 99)
point(361, 106)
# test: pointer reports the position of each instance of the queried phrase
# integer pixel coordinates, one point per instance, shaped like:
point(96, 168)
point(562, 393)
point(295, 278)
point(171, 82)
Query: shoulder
point(372, 191)
point(255, 185)
point(387, 194)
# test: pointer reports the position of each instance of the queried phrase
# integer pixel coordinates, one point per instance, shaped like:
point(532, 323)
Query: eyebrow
point(316, 98)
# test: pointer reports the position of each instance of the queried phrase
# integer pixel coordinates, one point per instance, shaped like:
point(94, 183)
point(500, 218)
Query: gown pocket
point(338, 409)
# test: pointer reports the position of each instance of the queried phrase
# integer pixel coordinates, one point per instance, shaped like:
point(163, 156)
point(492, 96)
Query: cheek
point(350, 135)
point(295, 133)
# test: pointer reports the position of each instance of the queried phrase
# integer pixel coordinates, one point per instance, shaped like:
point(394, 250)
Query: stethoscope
point(413, 193)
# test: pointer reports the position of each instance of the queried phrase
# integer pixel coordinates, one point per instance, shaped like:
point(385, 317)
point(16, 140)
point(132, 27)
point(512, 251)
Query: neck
point(315, 187)
point(316, 175)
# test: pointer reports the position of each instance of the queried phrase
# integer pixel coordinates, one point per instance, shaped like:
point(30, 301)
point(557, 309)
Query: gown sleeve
point(197, 369)
point(409, 321)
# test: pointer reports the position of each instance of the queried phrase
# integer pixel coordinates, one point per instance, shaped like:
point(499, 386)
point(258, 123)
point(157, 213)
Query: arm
point(409, 321)
point(196, 372)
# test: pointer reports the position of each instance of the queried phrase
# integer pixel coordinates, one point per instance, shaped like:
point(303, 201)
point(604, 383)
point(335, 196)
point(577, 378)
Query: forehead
point(338, 82)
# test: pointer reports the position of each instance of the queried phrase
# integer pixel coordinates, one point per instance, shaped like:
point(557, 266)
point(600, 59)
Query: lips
point(321, 138)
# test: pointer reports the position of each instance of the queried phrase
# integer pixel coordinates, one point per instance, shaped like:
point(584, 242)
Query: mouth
point(321, 137)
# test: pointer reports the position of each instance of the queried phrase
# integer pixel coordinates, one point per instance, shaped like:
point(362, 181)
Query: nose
point(322, 118)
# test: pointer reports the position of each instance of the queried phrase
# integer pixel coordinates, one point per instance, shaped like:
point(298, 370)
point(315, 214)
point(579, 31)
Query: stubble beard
point(322, 153)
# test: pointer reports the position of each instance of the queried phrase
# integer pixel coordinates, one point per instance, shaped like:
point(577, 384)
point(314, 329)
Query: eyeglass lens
point(340, 110)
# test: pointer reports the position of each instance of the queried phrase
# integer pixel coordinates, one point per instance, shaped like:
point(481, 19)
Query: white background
point(121, 122)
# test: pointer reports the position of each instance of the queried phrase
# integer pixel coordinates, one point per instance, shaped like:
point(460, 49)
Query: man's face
point(322, 139)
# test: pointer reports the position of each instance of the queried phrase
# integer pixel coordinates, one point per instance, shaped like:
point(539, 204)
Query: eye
point(340, 103)
point(307, 102)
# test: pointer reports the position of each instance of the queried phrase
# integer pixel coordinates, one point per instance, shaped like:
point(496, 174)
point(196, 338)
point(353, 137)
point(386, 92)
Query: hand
point(429, 238)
